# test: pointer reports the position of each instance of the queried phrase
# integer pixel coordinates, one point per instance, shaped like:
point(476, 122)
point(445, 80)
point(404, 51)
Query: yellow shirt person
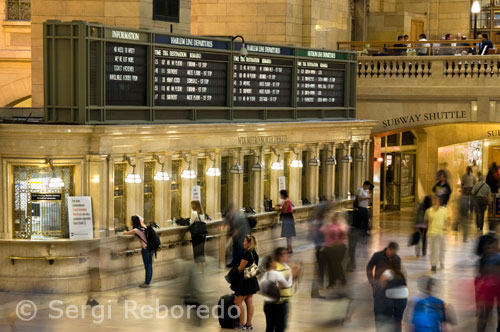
point(436, 219)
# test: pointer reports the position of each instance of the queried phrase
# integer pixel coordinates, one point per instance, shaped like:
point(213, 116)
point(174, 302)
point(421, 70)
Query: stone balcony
point(405, 92)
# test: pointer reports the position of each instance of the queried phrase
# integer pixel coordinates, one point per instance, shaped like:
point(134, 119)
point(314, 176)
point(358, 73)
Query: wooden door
point(417, 28)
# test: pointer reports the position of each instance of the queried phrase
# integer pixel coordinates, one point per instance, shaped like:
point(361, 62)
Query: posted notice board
point(80, 218)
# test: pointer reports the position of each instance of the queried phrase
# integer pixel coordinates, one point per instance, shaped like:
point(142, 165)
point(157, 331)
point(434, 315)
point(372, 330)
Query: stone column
point(377, 148)
point(368, 159)
point(256, 183)
point(277, 155)
point(312, 176)
point(333, 153)
point(345, 170)
point(349, 190)
point(358, 166)
point(295, 174)
point(97, 184)
point(235, 183)
point(212, 205)
point(6, 223)
point(162, 193)
point(190, 161)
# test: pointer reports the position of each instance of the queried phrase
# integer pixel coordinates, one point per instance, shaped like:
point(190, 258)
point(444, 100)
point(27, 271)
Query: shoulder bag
point(252, 271)
point(198, 228)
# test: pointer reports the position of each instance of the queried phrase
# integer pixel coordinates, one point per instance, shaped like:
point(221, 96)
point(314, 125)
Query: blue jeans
point(147, 258)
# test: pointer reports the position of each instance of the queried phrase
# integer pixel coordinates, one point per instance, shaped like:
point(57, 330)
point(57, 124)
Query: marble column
point(368, 159)
point(327, 172)
point(212, 205)
point(162, 193)
point(235, 181)
point(312, 176)
point(97, 175)
point(377, 148)
point(295, 174)
point(349, 189)
point(277, 155)
point(190, 161)
point(6, 224)
point(135, 191)
point(345, 170)
point(256, 182)
point(358, 166)
point(333, 153)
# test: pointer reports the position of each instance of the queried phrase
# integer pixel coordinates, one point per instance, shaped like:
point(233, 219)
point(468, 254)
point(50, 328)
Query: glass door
point(408, 171)
point(392, 181)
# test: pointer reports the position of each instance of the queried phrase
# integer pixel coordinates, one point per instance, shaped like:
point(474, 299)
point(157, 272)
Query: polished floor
point(456, 281)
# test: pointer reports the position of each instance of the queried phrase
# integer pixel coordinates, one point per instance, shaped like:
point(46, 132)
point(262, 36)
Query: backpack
point(153, 240)
point(198, 228)
point(252, 222)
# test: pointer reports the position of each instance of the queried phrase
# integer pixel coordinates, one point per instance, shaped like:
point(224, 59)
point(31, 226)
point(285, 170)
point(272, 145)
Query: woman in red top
point(287, 221)
point(335, 239)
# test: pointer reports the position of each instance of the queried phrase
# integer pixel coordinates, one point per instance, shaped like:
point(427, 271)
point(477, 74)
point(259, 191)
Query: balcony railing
point(415, 47)
point(467, 67)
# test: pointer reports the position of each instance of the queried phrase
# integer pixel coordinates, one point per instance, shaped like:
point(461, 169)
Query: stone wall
point(15, 63)
point(127, 13)
point(311, 23)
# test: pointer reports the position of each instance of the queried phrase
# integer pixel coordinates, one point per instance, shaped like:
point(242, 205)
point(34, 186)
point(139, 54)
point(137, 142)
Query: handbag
point(269, 288)
point(198, 228)
point(252, 271)
point(414, 239)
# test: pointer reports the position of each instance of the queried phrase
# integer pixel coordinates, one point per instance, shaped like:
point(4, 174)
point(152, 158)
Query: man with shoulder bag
point(480, 193)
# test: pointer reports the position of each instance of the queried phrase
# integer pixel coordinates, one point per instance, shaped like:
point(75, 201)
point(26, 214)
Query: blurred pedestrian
point(389, 183)
point(318, 220)
point(396, 293)
point(436, 217)
point(363, 199)
point(379, 262)
point(245, 287)
point(277, 271)
point(428, 313)
point(442, 189)
point(463, 215)
point(287, 221)
point(480, 193)
point(139, 230)
point(239, 229)
point(492, 178)
point(487, 284)
point(198, 240)
point(421, 225)
point(335, 232)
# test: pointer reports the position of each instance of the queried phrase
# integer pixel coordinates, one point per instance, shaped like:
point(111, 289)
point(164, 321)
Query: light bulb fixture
point(54, 181)
point(297, 163)
point(213, 171)
point(161, 175)
point(346, 159)
point(131, 177)
point(314, 162)
point(243, 49)
point(331, 161)
point(476, 8)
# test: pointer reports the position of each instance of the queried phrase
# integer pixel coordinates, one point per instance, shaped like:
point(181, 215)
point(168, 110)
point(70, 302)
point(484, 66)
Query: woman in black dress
point(244, 289)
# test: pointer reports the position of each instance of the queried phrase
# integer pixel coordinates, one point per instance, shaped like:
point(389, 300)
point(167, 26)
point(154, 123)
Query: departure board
point(262, 81)
point(320, 84)
point(190, 78)
point(126, 74)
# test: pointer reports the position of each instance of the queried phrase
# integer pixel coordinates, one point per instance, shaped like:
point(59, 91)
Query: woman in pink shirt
point(335, 238)
point(287, 221)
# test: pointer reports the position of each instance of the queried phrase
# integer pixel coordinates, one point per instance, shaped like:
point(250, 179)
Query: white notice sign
point(282, 182)
point(80, 218)
point(196, 193)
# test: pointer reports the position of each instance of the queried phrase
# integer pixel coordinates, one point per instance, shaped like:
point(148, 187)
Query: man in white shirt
point(363, 197)
point(423, 49)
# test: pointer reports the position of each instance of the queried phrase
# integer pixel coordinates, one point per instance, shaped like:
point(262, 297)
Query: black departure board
point(262, 81)
point(126, 74)
point(320, 84)
point(190, 78)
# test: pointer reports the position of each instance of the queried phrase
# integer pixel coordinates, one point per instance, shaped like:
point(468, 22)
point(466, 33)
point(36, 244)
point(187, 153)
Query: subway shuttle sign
point(425, 118)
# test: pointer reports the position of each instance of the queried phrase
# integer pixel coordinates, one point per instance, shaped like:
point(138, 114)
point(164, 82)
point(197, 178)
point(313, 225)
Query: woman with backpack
point(139, 230)
point(245, 283)
point(198, 234)
point(271, 283)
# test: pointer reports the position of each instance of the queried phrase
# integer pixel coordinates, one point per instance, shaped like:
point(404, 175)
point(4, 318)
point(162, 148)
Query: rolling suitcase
point(227, 312)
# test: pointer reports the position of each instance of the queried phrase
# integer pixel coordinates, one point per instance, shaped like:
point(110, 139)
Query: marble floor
point(136, 309)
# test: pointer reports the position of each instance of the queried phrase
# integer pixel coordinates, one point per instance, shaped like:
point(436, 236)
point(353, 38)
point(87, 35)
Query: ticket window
point(176, 189)
point(120, 196)
point(39, 210)
point(149, 191)
point(224, 189)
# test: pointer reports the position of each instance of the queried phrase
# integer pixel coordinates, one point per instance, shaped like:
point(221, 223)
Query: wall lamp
point(236, 168)
point(54, 182)
point(161, 175)
point(213, 171)
point(314, 162)
point(331, 160)
point(277, 165)
point(243, 49)
point(258, 166)
point(297, 163)
point(188, 173)
point(131, 177)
